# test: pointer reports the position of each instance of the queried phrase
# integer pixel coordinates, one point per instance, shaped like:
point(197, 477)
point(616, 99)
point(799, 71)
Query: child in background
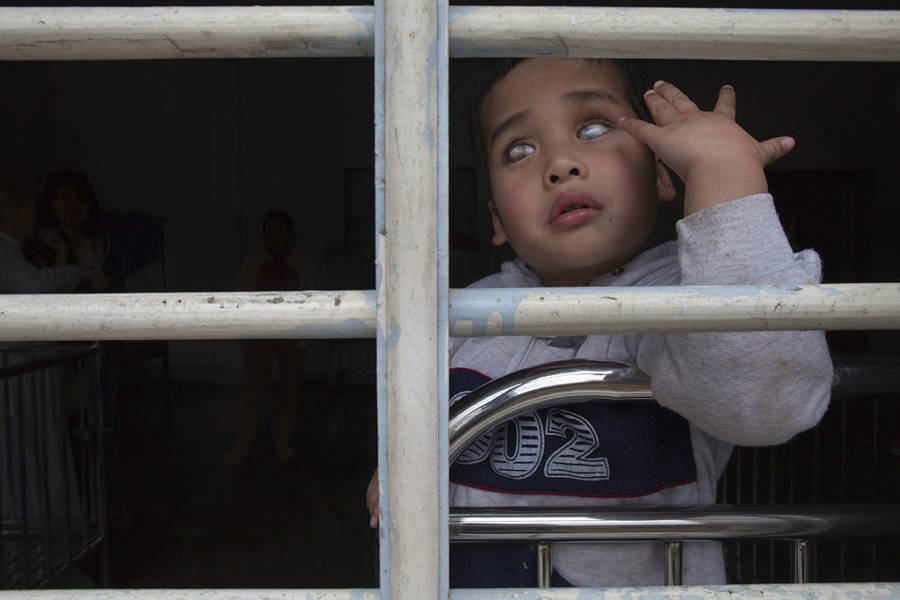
point(576, 180)
point(277, 268)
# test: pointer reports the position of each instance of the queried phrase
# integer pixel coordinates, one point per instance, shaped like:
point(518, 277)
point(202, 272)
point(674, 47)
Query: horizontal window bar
point(586, 311)
point(820, 591)
point(188, 316)
point(112, 32)
point(473, 312)
point(698, 33)
point(77, 33)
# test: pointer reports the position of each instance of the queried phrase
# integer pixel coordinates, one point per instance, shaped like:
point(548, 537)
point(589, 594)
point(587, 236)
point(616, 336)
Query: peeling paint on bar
point(820, 591)
point(473, 312)
point(67, 33)
point(693, 33)
point(581, 311)
point(91, 33)
point(186, 316)
point(413, 359)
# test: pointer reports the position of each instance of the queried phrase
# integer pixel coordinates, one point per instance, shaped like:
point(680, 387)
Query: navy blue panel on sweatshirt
point(606, 449)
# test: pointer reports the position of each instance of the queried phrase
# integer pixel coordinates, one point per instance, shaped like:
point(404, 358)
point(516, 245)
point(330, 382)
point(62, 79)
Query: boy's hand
point(717, 160)
point(372, 501)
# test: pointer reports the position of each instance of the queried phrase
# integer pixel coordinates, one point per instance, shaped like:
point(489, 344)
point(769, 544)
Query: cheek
point(512, 189)
point(636, 172)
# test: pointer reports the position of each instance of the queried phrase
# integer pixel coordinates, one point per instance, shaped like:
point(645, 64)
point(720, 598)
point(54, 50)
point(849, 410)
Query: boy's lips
point(572, 208)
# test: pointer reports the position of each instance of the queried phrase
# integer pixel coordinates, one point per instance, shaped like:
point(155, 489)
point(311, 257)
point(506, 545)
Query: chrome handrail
point(541, 387)
point(716, 522)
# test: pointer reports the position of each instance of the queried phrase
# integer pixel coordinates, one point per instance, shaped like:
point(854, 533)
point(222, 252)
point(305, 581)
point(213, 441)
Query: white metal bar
point(188, 316)
point(699, 33)
point(473, 312)
point(54, 33)
point(821, 591)
point(585, 311)
point(441, 59)
point(410, 290)
point(384, 547)
point(83, 33)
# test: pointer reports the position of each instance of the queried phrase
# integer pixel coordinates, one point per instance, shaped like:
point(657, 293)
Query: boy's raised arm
point(717, 160)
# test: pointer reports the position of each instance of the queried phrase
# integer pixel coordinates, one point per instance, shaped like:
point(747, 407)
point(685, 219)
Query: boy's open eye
point(593, 130)
point(518, 150)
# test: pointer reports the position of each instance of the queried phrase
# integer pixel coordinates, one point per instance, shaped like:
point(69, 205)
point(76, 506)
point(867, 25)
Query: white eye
point(518, 150)
point(592, 131)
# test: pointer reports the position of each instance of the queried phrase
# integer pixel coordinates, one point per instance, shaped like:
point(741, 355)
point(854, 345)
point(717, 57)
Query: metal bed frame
point(51, 467)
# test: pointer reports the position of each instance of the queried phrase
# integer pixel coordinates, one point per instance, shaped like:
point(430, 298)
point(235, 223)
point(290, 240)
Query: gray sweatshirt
point(713, 390)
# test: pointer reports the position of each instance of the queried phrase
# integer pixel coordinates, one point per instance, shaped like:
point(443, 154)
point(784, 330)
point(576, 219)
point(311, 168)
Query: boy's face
point(574, 196)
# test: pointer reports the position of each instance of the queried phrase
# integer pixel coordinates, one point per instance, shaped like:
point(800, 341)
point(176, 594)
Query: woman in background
point(68, 212)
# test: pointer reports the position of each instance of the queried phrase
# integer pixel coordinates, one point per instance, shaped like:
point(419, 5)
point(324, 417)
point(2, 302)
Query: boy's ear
point(665, 189)
point(499, 233)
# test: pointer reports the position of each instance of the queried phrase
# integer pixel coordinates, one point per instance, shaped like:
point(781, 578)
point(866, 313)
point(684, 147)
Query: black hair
point(280, 216)
point(634, 79)
point(46, 211)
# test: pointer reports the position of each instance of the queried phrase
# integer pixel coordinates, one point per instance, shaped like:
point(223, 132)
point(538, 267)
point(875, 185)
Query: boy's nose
point(573, 172)
point(563, 169)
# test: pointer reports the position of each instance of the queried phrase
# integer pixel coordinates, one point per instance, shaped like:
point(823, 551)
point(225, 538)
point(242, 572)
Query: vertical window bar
point(412, 343)
point(442, 60)
point(381, 376)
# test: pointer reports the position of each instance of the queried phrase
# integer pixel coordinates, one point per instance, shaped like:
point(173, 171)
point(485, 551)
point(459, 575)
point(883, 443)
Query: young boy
point(576, 180)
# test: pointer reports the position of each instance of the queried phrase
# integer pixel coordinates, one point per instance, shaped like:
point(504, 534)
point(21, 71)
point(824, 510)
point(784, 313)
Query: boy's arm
point(748, 388)
point(717, 160)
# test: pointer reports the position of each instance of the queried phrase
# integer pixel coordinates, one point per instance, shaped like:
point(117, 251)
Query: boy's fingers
point(663, 112)
point(774, 148)
point(727, 102)
point(676, 97)
point(372, 501)
point(642, 130)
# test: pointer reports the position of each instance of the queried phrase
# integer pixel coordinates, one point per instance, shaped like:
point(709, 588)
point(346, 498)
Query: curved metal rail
point(541, 387)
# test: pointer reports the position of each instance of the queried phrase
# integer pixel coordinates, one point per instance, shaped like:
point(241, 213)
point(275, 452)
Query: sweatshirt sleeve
point(18, 276)
point(745, 388)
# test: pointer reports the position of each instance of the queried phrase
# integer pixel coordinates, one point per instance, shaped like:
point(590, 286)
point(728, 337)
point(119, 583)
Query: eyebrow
point(507, 123)
point(587, 95)
point(573, 96)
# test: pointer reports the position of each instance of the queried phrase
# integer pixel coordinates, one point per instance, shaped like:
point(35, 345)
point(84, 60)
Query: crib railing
point(52, 491)
point(582, 381)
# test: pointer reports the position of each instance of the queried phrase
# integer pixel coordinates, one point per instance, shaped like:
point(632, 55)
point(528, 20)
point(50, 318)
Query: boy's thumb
point(775, 148)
